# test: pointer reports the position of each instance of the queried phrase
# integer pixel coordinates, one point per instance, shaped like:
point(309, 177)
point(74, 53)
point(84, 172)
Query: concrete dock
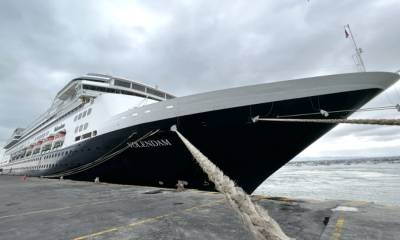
point(34, 208)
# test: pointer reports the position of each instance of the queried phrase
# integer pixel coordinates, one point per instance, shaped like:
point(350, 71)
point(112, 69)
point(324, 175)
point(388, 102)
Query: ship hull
point(247, 152)
point(138, 147)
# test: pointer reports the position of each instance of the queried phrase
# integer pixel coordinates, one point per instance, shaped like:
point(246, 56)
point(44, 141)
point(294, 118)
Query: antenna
point(359, 62)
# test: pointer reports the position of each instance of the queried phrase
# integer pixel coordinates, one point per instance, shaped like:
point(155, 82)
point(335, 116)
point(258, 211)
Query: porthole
point(84, 114)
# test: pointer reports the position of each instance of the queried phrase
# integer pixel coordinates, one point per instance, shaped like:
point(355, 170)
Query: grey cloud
point(203, 45)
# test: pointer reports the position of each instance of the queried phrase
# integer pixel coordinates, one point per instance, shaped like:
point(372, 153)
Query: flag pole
point(358, 50)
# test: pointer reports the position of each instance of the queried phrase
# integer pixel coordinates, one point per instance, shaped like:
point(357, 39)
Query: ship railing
point(70, 107)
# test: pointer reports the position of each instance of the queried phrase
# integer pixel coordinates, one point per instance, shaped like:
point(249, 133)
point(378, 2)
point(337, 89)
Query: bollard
point(180, 186)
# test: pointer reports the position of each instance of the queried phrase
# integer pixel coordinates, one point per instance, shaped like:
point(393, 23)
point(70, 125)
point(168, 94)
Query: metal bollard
point(180, 186)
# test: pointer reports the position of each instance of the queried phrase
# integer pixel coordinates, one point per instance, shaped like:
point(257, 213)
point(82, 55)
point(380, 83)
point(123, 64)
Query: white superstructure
point(78, 112)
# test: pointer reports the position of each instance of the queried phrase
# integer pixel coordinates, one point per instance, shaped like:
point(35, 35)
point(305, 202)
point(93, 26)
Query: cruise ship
point(119, 130)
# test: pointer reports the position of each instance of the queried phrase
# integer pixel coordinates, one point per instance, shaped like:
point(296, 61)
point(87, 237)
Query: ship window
point(94, 133)
point(78, 138)
point(76, 129)
point(156, 92)
point(138, 87)
point(169, 96)
point(75, 118)
point(80, 128)
point(89, 111)
point(86, 126)
point(103, 89)
point(84, 114)
point(79, 116)
point(122, 83)
point(87, 135)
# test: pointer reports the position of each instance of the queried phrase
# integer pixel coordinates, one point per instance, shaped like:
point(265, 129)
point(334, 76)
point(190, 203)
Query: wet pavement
point(34, 208)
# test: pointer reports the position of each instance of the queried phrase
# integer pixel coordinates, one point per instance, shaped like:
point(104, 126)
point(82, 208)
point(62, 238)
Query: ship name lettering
point(150, 143)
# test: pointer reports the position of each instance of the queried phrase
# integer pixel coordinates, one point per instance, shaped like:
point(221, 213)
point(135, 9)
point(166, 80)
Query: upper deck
point(80, 90)
point(109, 84)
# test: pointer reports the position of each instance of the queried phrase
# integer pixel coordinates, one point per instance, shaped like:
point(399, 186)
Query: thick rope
point(397, 107)
point(255, 217)
point(390, 122)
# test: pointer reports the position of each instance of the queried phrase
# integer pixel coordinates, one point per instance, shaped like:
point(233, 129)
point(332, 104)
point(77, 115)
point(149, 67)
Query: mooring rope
point(397, 107)
point(390, 122)
point(255, 217)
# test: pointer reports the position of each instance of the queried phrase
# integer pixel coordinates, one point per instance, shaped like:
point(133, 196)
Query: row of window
point(54, 155)
point(127, 84)
point(86, 135)
point(119, 91)
point(46, 148)
point(46, 166)
point(58, 154)
point(83, 114)
point(81, 127)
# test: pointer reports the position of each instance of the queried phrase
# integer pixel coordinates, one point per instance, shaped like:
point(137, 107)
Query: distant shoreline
point(346, 161)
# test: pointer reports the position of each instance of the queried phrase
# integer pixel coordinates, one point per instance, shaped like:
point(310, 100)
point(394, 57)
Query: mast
point(360, 62)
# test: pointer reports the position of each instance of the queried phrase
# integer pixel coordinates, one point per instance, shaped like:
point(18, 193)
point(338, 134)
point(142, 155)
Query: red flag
point(346, 33)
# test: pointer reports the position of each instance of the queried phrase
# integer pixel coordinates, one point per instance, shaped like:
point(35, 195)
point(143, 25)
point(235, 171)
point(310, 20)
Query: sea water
point(372, 181)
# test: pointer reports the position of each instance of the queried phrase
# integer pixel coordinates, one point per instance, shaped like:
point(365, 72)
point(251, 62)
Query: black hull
point(247, 152)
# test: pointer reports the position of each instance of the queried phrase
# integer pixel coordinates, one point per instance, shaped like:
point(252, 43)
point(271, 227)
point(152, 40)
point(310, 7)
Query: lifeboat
point(50, 138)
point(47, 143)
point(59, 139)
point(37, 147)
point(60, 135)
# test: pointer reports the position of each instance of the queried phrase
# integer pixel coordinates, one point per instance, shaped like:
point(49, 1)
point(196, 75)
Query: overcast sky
point(187, 47)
